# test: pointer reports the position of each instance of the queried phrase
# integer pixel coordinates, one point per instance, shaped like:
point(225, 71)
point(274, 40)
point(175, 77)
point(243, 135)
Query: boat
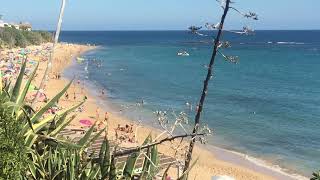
point(183, 53)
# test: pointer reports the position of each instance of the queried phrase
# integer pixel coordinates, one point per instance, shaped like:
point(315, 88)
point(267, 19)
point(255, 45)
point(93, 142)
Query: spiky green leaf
point(50, 103)
point(24, 92)
point(130, 164)
point(16, 88)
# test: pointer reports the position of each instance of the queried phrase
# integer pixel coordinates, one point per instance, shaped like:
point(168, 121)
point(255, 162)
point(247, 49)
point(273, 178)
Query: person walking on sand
point(106, 125)
point(66, 96)
point(106, 117)
point(102, 92)
point(97, 113)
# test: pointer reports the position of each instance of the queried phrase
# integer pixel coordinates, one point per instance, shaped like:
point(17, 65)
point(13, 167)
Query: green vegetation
point(11, 37)
point(316, 176)
point(30, 147)
point(12, 150)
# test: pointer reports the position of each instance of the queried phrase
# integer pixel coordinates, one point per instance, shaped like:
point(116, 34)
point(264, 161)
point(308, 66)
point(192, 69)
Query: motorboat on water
point(183, 53)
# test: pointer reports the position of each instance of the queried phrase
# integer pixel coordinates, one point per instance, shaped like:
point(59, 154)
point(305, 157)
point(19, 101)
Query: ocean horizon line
point(172, 30)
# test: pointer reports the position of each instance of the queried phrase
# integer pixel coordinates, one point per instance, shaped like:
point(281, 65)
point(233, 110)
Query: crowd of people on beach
point(10, 64)
point(125, 133)
point(11, 61)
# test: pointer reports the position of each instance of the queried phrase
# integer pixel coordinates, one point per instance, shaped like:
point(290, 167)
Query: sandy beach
point(219, 162)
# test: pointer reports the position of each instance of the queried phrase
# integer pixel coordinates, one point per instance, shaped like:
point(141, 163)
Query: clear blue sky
point(160, 15)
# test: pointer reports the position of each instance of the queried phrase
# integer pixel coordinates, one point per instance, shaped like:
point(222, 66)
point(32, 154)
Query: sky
point(161, 14)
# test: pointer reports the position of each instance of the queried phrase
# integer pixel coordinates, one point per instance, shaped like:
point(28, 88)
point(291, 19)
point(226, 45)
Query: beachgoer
point(74, 96)
point(131, 128)
point(118, 128)
point(97, 113)
point(66, 95)
point(116, 132)
point(106, 117)
point(102, 92)
point(100, 125)
point(127, 129)
point(167, 177)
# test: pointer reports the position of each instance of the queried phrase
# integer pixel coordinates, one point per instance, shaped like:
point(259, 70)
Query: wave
point(264, 166)
point(285, 42)
point(275, 168)
point(272, 42)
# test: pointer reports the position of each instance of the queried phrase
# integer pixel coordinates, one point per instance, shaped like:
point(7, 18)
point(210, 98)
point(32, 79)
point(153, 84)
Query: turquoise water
point(267, 106)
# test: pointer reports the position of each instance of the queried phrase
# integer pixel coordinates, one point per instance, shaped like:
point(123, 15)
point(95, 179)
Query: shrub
point(13, 156)
point(11, 37)
point(316, 176)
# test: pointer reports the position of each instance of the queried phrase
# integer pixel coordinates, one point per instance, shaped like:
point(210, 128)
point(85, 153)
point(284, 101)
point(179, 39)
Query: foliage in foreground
point(30, 147)
point(316, 176)
point(62, 163)
point(12, 150)
point(22, 129)
point(11, 37)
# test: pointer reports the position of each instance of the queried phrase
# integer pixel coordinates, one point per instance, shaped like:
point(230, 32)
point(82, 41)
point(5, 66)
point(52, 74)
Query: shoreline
point(225, 155)
point(212, 160)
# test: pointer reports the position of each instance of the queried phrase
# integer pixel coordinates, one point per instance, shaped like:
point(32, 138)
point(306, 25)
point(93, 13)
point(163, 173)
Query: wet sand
point(214, 162)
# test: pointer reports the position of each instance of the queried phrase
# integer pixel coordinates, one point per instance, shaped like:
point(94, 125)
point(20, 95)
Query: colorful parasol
point(85, 122)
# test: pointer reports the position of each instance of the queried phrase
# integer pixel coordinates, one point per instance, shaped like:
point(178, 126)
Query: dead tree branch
point(205, 86)
point(137, 149)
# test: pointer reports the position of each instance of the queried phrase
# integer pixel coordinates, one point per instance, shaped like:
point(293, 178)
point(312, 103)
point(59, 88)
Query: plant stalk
point(205, 87)
point(49, 64)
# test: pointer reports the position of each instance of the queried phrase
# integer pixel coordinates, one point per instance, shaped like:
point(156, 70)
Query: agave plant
point(66, 163)
point(315, 176)
point(22, 129)
point(35, 125)
point(52, 157)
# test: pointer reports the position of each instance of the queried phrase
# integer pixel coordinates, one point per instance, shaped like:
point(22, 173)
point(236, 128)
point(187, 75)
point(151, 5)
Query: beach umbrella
point(32, 62)
point(32, 87)
point(8, 71)
point(42, 96)
point(22, 52)
point(86, 122)
point(7, 76)
point(3, 69)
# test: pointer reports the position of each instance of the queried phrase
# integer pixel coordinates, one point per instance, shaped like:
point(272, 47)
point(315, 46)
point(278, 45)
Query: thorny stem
point(205, 88)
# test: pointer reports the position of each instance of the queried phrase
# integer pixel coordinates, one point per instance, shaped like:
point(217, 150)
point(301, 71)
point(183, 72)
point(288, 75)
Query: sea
point(266, 106)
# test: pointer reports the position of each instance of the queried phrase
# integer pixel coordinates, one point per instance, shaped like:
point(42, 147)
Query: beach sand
point(208, 165)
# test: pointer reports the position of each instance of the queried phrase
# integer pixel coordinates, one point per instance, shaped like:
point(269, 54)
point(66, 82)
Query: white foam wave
point(261, 163)
point(284, 42)
point(276, 168)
